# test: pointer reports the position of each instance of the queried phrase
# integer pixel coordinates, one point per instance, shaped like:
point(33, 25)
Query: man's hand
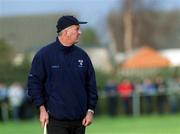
point(43, 117)
point(88, 119)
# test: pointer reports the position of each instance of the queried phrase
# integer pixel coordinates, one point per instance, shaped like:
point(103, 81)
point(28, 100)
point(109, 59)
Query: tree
point(9, 72)
point(89, 37)
point(146, 24)
point(6, 53)
point(5, 60)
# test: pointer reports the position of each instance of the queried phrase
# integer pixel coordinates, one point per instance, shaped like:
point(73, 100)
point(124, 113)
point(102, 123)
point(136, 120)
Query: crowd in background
point(155, 95)
point(14, 102)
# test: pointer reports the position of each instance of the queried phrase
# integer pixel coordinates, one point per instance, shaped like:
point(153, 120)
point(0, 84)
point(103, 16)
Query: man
point(62, 82)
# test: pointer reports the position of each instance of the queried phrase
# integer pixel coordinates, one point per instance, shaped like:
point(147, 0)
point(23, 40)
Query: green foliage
point(20, 72)
point(135, 74)
point(14, 73)
point(101, 78)
point(8, 71)
point(89, 37)
point(6, 53)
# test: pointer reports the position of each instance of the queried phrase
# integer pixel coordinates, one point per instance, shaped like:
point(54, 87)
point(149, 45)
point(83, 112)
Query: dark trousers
point(65, 127)
point(112, 105)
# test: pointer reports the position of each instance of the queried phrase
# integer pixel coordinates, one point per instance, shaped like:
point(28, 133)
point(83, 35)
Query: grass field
point(165, 124)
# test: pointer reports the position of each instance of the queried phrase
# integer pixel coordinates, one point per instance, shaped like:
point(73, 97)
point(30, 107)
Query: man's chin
point(76, 41)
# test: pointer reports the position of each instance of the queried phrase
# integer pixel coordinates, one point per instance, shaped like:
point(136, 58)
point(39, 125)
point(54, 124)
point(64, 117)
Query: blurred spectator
point(174, 92)
point(138, 93)
point(161, 94)
point(125, 89)
point(110, 89)
point(149, 92)
point(15, 96)
point(138, 87)
point(3, 102)
point(27, 110)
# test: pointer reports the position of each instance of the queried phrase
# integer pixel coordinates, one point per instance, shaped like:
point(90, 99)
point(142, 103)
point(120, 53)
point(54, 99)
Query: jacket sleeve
point(36, 80)
point(91, 86)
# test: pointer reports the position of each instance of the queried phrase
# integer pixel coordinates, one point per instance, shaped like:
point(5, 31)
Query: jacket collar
point(62, 47)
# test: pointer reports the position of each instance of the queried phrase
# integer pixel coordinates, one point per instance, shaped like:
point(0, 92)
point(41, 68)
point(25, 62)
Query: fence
point(138, 103)
point(114, 104)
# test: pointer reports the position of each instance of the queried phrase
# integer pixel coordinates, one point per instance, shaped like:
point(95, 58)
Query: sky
point(92, 10)
point(13, 7)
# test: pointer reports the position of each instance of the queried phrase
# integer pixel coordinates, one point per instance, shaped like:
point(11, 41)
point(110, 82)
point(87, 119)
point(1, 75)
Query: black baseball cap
point(66, 21)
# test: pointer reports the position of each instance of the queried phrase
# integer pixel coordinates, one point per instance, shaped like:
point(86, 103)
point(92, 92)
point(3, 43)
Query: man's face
point(73, 33)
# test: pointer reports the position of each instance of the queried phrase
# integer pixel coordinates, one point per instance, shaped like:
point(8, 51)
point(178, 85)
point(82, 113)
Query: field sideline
point(153, 124)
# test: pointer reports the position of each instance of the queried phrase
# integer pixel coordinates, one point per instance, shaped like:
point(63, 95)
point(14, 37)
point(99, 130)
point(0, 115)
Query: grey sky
point(91, 10)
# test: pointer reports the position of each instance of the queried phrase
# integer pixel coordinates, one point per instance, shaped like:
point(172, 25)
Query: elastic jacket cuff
point(90, 110)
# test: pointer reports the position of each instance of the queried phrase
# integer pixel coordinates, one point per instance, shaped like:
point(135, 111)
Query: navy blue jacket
point(63, 79)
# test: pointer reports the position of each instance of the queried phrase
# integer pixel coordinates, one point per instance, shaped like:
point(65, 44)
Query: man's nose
point(79, 32)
